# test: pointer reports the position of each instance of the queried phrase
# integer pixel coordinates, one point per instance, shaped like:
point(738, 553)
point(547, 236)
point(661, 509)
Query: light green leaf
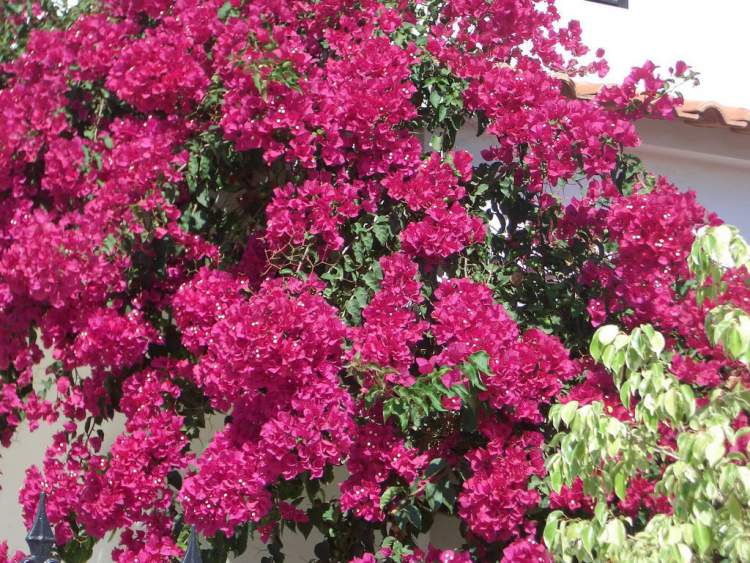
point(620, 489)
point(606, 334)
point(744, 475)
point(714, 452)
point(657, 343)
point(670, 403)
point(555, 479)
point(550, 528)
point(568, 411)
point(702, 536)
point(614, 533)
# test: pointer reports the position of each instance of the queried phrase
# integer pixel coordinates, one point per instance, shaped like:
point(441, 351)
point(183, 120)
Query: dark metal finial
point(40, 538)
point(193, 552)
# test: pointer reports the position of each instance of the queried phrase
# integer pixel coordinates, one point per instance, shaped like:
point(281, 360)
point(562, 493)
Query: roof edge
point(698, 113)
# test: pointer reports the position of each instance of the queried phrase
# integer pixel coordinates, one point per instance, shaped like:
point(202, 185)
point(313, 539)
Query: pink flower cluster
point(391, 328)
point(496, 497)
point(113, 340)
point(160, 73)
point(434, 184)
point(443, 231)
point(316, 208)
point(640, 496)
point(550, 139)
point(644, 93)
point(433, 555)
point(126, 488)
point(572, 499)
point(434, 189)
point(377, 456)
point(202, 302)
point(274, 361)
point(163, 298)
point(526, 373)
point(346, 111)
point(463, 311)
point(530, 374)
point(524, 550)
point(598, 386)
point(653, 231)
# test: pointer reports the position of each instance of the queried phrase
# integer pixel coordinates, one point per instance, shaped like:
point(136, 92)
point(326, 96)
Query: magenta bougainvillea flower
point(242, 229)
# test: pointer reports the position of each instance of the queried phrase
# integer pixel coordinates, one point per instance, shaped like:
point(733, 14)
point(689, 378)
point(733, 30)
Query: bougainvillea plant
point(249, 216)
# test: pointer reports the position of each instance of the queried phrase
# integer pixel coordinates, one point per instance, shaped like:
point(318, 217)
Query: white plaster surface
point(709, 36)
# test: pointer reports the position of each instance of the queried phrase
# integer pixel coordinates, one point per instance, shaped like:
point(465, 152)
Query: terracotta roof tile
point(694, 112)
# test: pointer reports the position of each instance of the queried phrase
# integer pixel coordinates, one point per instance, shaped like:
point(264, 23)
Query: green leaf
point(600, 512)
point(224, 11)
point(481, 360)
point(413, 516)
point(744, 475)
point(388, 495)
point(550, 528)
point(555, 478)
point(595, 349)
point(568, 412)
point(109, 243)
point(614, 533)
point(382, 231)
point(702, 536)
point(606, 334)
point(714, 452)
point(477, 363)
point(625, 393)
point(356, 303)
point(373, 278)
point(305, 528)
point(620, 485)
point(588, 537)
point(79, 550)
point(657, 343)
point(670, 404)
point(608, 356)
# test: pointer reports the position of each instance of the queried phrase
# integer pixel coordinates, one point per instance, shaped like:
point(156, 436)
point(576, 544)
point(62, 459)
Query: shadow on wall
point(713, 162)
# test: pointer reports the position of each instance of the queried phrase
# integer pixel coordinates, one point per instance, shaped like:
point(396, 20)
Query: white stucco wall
point(713, 162)
point(710, 36)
